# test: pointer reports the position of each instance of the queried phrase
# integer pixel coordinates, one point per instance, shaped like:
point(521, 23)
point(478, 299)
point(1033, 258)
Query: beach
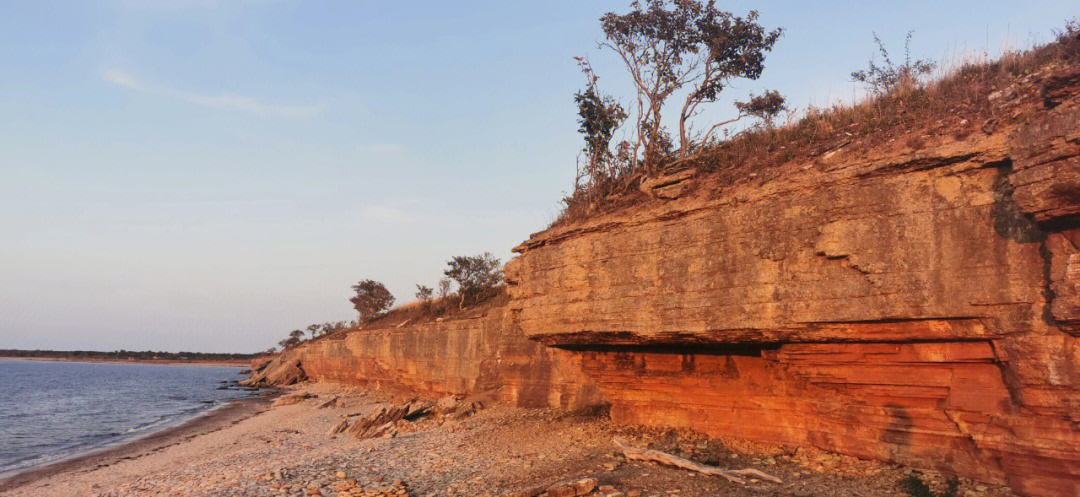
point(215, 420)
point(252, 448)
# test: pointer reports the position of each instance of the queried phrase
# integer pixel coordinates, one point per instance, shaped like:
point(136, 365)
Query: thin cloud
point(227, 101)
point(120, 78)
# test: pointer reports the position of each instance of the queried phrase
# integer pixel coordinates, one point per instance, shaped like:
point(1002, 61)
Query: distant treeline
point(125, 355)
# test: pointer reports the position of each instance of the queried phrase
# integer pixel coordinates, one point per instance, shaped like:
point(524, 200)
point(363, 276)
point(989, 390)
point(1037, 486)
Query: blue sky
point(208, 175)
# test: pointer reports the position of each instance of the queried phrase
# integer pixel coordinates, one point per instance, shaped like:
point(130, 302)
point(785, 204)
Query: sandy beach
point(251, 448)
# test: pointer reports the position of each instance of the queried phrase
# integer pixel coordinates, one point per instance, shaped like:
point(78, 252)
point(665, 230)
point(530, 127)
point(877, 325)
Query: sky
point(208, 175)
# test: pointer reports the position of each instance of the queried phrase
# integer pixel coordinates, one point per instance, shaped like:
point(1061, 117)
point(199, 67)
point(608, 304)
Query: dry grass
point(417, 312)
point(963, 101)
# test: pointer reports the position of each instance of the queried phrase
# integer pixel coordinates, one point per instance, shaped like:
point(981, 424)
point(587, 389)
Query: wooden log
point(732, 475)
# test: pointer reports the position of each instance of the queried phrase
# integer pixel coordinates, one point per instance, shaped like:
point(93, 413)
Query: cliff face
point(483, 352)
point(917, 301)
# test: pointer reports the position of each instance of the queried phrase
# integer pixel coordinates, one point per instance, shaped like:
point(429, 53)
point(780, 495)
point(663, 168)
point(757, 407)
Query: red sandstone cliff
point(917, 301)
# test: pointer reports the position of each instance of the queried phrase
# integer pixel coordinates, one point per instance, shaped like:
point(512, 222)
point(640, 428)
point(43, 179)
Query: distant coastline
point(192, 362)
point(131, 357)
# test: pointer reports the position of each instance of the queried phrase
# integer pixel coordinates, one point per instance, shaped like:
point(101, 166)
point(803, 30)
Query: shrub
point(426, 295)
point(477, 276)
point(294, 339)
point(599, 115)
point(884, 79)
point(372, 298)
point(916, 488)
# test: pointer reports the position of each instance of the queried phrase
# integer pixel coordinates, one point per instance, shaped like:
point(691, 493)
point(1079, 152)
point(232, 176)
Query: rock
point(282, 370)
point(418, 408)
point(377, 423)
point(584, 486)
point(331, 402)
point(493, 352)
point(561, 490)
point(338, 428)
point(287, 400)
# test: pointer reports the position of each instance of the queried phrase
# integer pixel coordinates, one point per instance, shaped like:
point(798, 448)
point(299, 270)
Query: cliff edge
point(913, 299)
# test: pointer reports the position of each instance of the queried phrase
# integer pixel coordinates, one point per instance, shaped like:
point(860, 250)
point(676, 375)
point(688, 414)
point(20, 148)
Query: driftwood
point(635, 454)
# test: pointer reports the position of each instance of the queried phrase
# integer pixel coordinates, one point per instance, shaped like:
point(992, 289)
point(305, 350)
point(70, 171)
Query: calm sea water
point(52, 410)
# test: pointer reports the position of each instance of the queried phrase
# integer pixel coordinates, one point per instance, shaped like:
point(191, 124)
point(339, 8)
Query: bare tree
point(445, 285)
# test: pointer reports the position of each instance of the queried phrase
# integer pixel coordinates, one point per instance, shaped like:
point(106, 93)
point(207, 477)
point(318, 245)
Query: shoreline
point(171, 362)
point(474, 449)
point(210, 421)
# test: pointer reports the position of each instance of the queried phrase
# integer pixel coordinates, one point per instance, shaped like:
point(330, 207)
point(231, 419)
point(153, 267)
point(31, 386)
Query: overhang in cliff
point(915, 301)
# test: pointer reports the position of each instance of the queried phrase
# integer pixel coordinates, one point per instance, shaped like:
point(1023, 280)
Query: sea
point(52, 410)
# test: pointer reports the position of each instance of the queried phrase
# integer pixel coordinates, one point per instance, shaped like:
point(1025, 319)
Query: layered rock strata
point(917, 301)
point(481, 353)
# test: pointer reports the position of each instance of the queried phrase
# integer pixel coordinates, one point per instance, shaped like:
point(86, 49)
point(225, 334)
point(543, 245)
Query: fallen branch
point(732, 475)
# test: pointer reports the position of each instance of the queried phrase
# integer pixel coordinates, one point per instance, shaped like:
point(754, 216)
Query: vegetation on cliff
point(478, 279)
point(672, 49)
point(971, 97)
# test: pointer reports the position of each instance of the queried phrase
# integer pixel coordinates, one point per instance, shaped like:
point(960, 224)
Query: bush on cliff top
point(371, 299)
point(477, 277)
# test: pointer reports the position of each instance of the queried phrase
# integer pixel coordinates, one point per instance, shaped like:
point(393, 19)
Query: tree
point(314, 330)
point(372, 298)
point(476, 276)
point(765, 107)
point(294, 339)
point(669, 45)
point(445, 285)
point(599, 116)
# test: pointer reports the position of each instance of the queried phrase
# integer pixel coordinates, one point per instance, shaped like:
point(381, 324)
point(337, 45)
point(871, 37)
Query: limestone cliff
point(915, 301)
point(913, 297)
point(481, 351)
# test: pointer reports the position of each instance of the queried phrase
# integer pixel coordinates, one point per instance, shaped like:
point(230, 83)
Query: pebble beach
point(260, 449)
